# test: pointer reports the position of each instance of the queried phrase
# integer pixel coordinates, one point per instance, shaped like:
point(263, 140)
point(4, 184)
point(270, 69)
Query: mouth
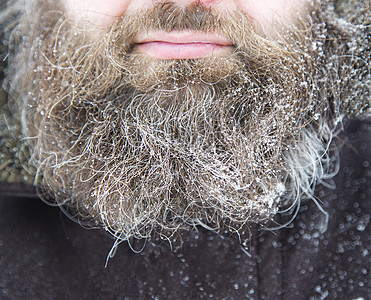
point(182, 45)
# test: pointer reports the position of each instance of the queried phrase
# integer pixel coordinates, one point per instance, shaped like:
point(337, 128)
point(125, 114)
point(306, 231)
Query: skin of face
point(266, 16)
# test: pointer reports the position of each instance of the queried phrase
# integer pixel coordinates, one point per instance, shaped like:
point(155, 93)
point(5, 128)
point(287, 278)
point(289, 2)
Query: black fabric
point(44, 255)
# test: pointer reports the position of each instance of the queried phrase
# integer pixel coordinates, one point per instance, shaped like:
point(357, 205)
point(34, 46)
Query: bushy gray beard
point(139, 145)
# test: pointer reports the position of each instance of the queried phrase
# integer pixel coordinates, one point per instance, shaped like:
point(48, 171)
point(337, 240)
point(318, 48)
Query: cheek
point(265, 14)
point(97, 12)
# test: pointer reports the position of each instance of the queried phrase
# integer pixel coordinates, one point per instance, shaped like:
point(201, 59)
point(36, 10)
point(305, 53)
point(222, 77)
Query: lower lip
point(166, 50)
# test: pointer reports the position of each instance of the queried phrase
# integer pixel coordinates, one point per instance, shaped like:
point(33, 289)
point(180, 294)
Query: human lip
point(182, 45)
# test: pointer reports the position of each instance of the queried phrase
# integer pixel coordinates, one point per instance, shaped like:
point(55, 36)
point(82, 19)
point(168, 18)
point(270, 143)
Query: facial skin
point(266, 16)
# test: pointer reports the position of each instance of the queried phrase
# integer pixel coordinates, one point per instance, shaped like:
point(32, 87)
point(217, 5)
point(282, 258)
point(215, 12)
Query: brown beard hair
point(139, 145)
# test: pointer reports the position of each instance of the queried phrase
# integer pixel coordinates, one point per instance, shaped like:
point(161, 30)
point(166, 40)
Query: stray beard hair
point(141, 146)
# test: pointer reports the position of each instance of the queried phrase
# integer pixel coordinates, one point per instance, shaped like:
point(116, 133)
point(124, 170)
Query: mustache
point(168, 16)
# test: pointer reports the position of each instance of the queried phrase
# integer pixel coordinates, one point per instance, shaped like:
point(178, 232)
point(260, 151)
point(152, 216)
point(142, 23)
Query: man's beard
point(140, 145)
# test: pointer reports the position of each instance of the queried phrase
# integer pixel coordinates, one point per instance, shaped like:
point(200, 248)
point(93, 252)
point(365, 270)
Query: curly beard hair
point(138, 145)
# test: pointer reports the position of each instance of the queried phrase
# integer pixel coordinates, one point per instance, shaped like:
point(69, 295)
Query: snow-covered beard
point(139, 145)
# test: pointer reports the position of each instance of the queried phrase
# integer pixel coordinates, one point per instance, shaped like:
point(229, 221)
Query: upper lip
point(183, 37)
